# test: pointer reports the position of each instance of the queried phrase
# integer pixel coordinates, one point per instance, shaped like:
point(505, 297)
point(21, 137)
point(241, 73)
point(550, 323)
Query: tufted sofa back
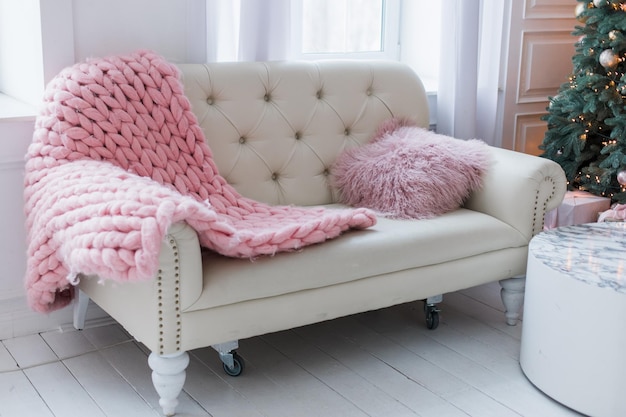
point(276, 128)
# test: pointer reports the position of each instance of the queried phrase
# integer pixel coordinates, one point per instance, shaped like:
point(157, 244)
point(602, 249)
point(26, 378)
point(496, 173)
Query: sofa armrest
point(518, 189)
point(150, 310)
point(180, 262)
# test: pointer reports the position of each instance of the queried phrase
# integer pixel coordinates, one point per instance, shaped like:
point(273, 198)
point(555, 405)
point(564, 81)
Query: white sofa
point(274, 129)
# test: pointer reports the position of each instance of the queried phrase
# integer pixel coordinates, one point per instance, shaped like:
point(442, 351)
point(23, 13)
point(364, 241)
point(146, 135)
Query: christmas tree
point(587, 118)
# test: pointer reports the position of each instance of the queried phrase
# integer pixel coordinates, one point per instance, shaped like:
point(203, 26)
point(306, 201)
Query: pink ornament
point(621, 177)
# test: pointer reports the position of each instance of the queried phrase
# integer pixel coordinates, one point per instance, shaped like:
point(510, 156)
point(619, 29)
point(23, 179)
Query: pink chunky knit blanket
point(117, 157)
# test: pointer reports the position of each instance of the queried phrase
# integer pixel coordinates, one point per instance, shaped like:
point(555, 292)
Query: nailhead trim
point(536, 219)
point(161, 315)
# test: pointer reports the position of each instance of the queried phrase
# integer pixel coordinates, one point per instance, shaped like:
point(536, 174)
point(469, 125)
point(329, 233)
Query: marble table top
point(594, 253)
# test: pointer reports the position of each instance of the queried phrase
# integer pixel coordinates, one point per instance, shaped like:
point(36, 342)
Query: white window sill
point(12, 109)
point(430, 84)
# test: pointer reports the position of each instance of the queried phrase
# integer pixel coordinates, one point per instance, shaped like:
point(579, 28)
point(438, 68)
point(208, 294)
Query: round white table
point(574, 327)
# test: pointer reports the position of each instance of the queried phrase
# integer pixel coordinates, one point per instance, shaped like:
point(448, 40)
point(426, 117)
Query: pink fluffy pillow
point(410, 172)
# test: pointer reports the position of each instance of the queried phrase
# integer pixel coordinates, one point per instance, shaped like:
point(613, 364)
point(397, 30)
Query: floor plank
point(489, 315)
point(333, 373)
point(132, 362)
point(476, 375)
point(213, 393)
point(481, 345)
point(7, 363)
point(18, 397)
point(434, 378)
point(106, 336)
point(488, 294)
point(476, 403)
point(66, 344)
point(409, 354)
point(502, 381)
point(331, 338)
point(279, 387)
point(108, 388)
point(477, 330)
point(310, 394)
point(379, 363)
point(62, 393)
point(529, 401)
point(30, 351)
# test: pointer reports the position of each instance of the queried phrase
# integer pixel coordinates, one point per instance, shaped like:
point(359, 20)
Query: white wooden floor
point(384, 363)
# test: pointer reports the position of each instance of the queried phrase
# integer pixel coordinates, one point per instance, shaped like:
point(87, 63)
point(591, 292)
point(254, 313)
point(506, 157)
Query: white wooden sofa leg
point(80, 310)
point(168, 377)
point(512, 294)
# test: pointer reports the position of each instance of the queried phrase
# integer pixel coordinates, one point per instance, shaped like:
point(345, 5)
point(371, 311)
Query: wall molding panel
point(549, 9)
point(541, 50)
point(529, 132)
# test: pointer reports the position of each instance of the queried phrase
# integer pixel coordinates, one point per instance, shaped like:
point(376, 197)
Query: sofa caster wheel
point(237, 368)
point(431, 311)
point(432, 316)
point(432, 319)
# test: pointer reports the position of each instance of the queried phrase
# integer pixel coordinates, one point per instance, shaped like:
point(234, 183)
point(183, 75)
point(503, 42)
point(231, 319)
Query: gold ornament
point(580, 8)
point(608, 59)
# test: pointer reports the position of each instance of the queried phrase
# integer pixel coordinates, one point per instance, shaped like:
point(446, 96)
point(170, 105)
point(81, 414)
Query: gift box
point(577, 207)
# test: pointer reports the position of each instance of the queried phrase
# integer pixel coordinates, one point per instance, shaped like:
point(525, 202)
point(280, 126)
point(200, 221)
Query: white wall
point(173, 28)
point(13, 134)
point(57, 34)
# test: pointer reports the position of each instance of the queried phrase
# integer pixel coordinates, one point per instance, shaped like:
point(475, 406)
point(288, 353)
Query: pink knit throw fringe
point(117, 157)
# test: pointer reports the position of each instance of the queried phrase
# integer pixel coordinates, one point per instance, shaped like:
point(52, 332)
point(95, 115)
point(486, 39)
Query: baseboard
point(17, 319)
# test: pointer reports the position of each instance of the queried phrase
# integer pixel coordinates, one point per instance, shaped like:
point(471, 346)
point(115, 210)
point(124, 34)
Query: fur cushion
point(409, 172)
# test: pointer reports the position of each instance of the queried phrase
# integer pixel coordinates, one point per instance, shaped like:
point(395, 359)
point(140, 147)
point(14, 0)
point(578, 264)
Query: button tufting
point(297, 135)
point(346, 132)
point(368, 92)
point(242, 140)
point(274, 176)
point(209, 101)
point(319, 94)
point(326, 172)
point(266, 97)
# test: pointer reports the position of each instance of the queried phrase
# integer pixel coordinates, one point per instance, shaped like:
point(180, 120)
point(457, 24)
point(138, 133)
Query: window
point(345, 29)
point(406, 31)
point(36, 42)
point(20, 50)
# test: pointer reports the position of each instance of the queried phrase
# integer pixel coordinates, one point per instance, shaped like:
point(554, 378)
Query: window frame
point(391, 30)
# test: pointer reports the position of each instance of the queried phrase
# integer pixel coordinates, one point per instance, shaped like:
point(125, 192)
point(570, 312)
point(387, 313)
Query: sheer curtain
point(467, 97)
point(248, 30)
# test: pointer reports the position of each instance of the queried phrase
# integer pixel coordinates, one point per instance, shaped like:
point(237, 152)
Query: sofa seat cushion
point(390, 246)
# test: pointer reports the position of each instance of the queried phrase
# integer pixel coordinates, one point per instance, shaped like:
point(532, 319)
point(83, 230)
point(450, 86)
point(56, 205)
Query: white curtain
point(467, 96)
point(248, 30)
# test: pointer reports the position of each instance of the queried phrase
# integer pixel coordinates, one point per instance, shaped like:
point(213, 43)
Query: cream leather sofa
point(201, 299)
